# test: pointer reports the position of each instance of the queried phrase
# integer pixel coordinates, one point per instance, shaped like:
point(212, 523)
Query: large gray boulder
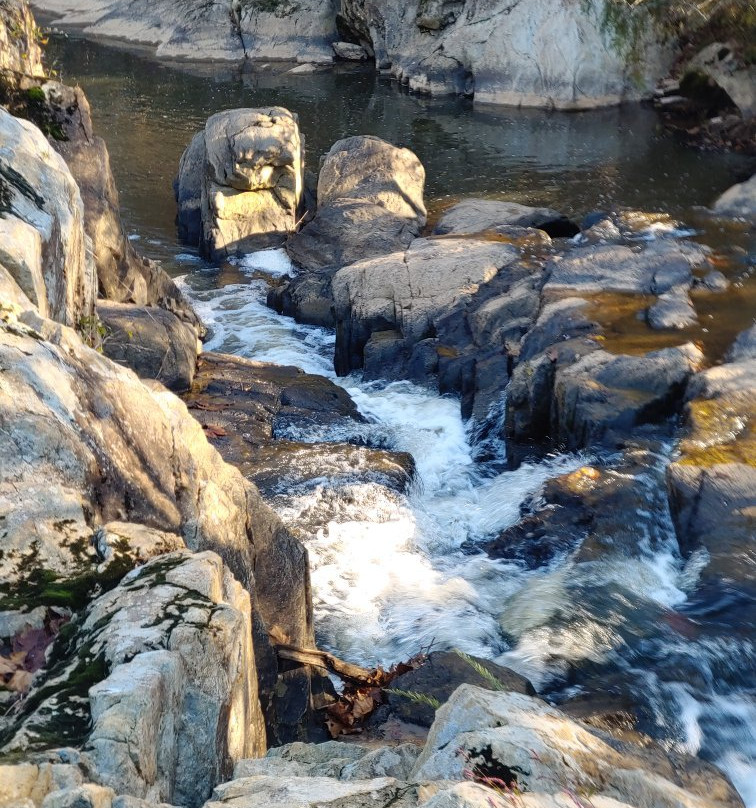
point(504, 52)
point(44, 246)
point(247, 167)
point(151, 341)
point(537, 748)
point(370, 202)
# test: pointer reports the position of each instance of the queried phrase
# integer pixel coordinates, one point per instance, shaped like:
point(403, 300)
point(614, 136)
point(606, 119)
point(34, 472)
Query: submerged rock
point(247, 169)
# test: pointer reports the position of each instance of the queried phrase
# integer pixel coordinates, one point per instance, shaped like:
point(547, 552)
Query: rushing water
point(393, 574)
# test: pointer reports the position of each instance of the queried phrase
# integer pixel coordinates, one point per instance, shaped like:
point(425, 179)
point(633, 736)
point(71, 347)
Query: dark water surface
point(147, 112)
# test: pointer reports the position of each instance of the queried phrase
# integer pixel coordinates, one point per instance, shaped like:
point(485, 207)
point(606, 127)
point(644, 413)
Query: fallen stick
point(322, 659)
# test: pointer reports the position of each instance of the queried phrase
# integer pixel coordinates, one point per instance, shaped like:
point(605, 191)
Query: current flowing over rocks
point(585, 532)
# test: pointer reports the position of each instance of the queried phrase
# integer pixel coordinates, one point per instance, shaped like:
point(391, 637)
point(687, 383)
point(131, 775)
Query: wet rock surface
point(254, 413)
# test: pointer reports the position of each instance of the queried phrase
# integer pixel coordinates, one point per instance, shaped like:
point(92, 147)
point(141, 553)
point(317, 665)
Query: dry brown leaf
point(20, 681)
point(214, 431)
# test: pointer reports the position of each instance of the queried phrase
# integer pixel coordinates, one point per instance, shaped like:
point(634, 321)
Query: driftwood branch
point(322, 659)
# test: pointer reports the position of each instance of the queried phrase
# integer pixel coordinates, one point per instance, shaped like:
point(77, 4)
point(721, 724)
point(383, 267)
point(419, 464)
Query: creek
point(394, 574)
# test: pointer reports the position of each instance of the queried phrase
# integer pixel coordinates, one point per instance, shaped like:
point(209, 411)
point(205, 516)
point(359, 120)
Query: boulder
point(440, 676)
point(153, 342)
point(528, 745)
point(607, 53)
point(370, 202)
point(738, 201)
point(248, 169)
point(44, 246)
point(477, 215)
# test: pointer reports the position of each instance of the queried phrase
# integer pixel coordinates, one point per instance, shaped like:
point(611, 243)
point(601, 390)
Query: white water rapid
point(393, 575)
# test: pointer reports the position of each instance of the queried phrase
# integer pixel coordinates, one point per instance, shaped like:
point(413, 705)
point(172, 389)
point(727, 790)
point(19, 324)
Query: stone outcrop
point(503, 52)
point(151, 341)
point(100, 446)
point(256, 29)
point(240, 182)
point(43, 245)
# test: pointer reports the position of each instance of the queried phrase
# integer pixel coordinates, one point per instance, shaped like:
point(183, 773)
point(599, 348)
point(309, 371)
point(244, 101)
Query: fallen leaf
point(214, 431)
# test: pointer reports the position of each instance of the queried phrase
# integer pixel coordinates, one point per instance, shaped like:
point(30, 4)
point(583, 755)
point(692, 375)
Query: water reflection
point(576, 162)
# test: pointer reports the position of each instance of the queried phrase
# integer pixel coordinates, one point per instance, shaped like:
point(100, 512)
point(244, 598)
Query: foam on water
point(393, 574)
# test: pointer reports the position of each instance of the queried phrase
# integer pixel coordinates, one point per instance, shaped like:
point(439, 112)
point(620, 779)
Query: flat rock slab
point(252, 410)
point(655, 269)
point(478, 215)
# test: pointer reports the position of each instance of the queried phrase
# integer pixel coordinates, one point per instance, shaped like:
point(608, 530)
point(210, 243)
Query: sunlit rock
point(528, 744)
point(44, 246)
point(251, 181)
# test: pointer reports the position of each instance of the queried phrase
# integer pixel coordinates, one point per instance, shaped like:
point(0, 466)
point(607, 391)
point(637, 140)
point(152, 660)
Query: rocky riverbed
point(510, 446)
